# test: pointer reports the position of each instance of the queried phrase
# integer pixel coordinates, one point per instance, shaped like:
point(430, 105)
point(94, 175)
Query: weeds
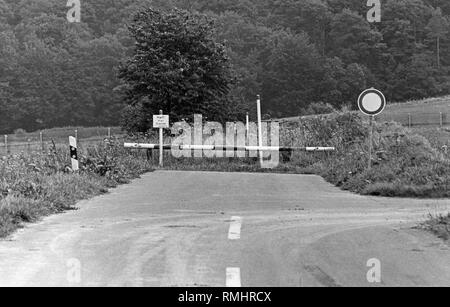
point(439, 225)
point(35, 185)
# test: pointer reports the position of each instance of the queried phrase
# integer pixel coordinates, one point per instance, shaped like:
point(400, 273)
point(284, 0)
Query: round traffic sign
point(371, 102)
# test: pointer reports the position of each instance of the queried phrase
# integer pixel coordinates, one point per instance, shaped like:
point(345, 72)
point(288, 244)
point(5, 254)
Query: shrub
point(405, 164)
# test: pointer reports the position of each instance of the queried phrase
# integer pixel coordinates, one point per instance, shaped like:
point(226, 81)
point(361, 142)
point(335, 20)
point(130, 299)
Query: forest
point(299, 55)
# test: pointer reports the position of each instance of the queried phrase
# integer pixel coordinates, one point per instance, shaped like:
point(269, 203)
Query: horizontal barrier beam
point(236, 148)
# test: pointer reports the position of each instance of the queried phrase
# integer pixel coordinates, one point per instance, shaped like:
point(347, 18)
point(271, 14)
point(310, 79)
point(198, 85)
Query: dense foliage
point(176, 67)
point(292, 52)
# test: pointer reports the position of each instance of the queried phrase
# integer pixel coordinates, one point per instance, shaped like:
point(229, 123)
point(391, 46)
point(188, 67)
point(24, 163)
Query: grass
point(439, 225)
point(36, 185)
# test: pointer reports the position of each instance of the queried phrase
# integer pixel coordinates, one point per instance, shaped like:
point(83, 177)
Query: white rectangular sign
point(161, 121)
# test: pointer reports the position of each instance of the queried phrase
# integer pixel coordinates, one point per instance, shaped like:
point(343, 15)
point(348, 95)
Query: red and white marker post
point(74, 153)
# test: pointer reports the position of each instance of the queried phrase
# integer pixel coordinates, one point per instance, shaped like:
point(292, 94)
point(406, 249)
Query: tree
point(292, 73)
point(177, 66)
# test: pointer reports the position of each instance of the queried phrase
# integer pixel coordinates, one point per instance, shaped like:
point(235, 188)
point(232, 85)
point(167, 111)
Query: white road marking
point(235, 228)
point(233, 278)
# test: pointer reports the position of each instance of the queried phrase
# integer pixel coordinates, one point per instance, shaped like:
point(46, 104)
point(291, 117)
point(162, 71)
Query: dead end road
point(230, 229)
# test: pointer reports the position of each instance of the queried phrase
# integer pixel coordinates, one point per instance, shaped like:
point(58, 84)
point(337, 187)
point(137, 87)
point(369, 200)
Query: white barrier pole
point(260, 143)
point(161, 144)
point(215, 147)
point(73, 153)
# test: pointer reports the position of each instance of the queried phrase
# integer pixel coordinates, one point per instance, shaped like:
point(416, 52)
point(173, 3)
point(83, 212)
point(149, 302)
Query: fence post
point(28, 145)
point(109, 133)
point(76, 134)
point(441, 119)
point(409, 120)
point(6, 144)
point(41, 140)
point(247, 129)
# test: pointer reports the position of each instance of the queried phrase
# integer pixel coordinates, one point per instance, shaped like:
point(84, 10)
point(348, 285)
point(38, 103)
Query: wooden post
point(441, 119)
point(6, 144)
point(409, 120)
point(109, 133)
point(247, 129)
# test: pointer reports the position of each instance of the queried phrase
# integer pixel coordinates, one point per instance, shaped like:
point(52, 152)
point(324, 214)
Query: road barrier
point(224, 148)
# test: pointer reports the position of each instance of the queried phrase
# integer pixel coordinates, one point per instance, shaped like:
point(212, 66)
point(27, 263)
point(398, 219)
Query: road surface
point(230, 229)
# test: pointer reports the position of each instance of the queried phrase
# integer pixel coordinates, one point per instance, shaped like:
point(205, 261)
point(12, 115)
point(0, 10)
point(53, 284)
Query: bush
point(439, 225)
point(404, 165)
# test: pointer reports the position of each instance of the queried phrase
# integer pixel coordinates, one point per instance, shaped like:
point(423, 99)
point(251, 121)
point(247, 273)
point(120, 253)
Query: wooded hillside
point(292, 52)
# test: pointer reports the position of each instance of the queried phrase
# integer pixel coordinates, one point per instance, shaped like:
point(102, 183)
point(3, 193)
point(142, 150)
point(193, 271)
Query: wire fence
point(436, 119)
point(44, 140)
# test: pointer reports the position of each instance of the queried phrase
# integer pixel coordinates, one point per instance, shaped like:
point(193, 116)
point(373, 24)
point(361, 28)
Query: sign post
point(371, 102)
point(162, 122)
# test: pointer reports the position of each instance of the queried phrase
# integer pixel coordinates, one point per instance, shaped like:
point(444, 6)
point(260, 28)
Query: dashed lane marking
point(235, 228)
point(233, 278)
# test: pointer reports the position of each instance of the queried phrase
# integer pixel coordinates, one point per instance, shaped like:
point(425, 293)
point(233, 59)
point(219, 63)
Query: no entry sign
point(371, 102)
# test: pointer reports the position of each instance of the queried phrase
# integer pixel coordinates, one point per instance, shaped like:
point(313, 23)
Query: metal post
point(6, 144)
point(76, 134)
point(370, 141)
point(260, 143)
point(109, 133)
point(161, 144)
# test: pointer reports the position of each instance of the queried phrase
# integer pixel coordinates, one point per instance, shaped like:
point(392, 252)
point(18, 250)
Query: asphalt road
point(218, 229)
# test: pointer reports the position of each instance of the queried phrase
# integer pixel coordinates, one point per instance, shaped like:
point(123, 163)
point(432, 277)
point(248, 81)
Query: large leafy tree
point(177, 66)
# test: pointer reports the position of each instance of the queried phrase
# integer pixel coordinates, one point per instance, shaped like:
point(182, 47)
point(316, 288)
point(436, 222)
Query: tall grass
point(34, 185)
point(405, 164)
